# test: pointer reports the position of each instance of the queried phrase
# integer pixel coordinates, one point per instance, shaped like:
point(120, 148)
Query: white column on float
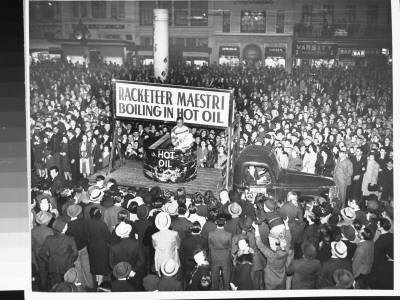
point(160, 43)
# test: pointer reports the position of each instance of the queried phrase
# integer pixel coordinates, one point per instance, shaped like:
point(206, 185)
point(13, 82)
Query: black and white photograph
point(256, 134)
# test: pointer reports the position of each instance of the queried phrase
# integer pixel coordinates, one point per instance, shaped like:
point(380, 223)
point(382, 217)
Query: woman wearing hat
point(242, 279)
point(202, 269)
point(98, 236)
point(166, 242)
point(370, 176)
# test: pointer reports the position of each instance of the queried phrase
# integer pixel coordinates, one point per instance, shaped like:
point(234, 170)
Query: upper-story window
point(253, 21)
point(199, 13)
point(117, 10)
point(280, 21)
point(146, 12)
point(99, 9)
point(350, 14)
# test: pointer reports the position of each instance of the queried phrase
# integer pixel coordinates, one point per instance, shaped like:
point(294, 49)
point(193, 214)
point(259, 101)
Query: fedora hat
point(123, 229)
point(348, 214)
point(308, 250)
point(74, 210)
point(339, 249)
point(235, 209)
point(246, 223)
point(163, 221)
point(169, 267)
point(171, 208)
point(59, 225)
point(43, 217)
point(96, 195)
point(143, 211)
point(122, 270)
point(343, 278)
point(348, 232)
point(71, 275)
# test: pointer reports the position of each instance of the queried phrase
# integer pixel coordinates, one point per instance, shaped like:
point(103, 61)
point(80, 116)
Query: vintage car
point(278, 181)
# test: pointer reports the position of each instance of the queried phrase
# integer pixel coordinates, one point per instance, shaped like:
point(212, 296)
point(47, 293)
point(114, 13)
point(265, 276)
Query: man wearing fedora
point(39, 234)
point(348, 215)
point(77, 229)
point(220, 243)
point(59, 251)
point(348, 238)
point(72, 276)
point(337, 261)
point(95, 196)
point(166, 242)
point(232, 225)
point(122, 272)
point(343, 279)
point(127, 250)
point(168, 282)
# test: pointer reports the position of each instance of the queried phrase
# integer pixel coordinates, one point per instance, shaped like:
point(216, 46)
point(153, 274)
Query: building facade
point(264, 32)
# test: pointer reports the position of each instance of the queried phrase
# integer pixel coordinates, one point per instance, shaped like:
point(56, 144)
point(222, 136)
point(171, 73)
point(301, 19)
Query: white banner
point(166, 103)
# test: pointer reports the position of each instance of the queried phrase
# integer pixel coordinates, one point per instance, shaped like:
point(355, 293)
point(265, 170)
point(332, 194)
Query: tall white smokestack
point(160, 48)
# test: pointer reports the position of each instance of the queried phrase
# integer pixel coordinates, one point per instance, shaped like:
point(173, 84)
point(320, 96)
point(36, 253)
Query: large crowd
point(336, 122)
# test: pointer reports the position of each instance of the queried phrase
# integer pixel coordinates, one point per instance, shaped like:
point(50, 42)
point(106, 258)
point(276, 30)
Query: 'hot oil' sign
point(164, 158)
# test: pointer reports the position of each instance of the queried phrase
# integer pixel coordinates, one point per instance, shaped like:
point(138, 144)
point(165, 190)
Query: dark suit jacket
point(169, 284)
point(77, 229)
point(198, 273)
point(182, 226)
point(325, 277)
point(128, 250)
point(207, 228)
point(220, 243)
point(60, 252)
point(358, 166)
point(188, 245)
point(250, 179)
point(57, 182)
point(232, 226)
point(383, 245)
point(73, 149)
point(122, 286)
point(39, 234)
point(305, 273)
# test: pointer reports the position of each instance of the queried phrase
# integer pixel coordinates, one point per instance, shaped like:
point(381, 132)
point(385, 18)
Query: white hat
point(235, 209)
point(96, 195)
point(163, 221)
point(169, 267)
point(123, 229)
point(339, 249)
point(171, 208)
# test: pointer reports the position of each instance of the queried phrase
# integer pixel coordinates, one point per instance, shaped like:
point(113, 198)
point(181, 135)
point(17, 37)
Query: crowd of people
point(336, 122)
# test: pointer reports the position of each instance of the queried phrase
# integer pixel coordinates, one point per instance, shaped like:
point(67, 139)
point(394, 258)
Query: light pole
point(81, 33)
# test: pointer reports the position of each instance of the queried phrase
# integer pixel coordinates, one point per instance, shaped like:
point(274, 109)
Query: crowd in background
point(334, 122)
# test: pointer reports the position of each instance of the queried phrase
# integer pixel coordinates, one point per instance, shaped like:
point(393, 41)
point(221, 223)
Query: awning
point(43, 45)
point(194, 54)
point(229, 51)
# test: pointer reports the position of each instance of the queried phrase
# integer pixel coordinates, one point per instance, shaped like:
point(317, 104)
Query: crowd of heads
point(326, 112)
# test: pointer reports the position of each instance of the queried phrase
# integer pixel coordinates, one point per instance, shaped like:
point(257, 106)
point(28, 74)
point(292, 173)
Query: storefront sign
point(314, 50)
point(351, 52)
point(101, 26)
point(358, 53)
point(275, 51)
point(166, 103)
point(229, 51)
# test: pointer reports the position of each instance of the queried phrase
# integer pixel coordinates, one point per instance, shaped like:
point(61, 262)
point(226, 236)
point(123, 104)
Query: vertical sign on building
point(160, 44)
